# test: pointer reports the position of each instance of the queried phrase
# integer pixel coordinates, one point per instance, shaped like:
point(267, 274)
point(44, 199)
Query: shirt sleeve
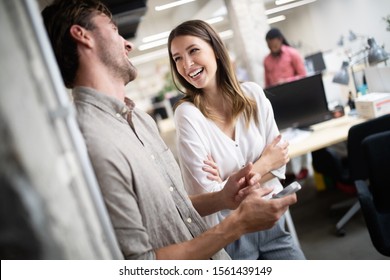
point(267, 79)
point(298, 64)
point(193, 147)
point(121, 202)
point(266, 116)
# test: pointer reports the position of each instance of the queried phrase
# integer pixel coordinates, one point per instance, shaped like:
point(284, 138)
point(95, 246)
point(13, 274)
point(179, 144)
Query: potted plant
point(387, 20)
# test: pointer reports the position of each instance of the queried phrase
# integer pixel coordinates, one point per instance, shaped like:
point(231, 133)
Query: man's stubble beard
point(132, 73)
point(120, 68)
point(119, 65)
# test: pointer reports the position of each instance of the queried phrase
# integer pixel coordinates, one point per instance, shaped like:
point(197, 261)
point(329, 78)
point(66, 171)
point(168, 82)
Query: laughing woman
point(221, 126)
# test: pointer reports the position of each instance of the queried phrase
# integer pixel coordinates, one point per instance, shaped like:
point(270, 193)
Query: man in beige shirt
point(151, 213)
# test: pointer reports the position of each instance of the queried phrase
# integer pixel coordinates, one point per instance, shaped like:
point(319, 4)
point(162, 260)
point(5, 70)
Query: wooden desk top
point(324, 134)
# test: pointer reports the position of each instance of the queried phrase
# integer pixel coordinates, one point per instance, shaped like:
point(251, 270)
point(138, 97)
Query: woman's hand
point(275, 155)
point(212, 168)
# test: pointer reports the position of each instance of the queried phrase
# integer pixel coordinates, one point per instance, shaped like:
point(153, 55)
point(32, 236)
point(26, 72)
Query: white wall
point(319, 25)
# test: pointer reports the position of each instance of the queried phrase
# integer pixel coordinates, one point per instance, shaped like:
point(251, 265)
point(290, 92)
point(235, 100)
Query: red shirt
point(286, 67)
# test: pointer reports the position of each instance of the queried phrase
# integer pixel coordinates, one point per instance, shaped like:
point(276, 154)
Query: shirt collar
point(103, 101)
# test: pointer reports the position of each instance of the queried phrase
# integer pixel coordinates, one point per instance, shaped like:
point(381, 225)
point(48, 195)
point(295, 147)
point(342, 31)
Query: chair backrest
point(376, 150)
point(356, 135)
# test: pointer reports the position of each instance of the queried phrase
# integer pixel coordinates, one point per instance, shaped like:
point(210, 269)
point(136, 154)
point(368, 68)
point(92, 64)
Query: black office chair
point(344, 171)
point(374, 193)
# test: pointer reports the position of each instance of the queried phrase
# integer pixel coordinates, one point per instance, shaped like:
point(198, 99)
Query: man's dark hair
point(275, 33)
point(58, 19)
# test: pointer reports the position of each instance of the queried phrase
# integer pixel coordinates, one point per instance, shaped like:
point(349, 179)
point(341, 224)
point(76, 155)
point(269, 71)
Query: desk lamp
point(342, 77)
point(373, 54)
point(376, 54)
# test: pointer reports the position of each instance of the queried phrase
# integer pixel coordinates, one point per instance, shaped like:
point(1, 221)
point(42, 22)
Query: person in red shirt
point(284, 64)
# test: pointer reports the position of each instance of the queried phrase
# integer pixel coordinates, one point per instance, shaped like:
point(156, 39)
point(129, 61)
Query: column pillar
point(249, 24)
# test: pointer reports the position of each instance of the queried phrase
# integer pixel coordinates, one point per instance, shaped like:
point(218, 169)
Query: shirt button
point(236, 145)
point(118, 115)
point(171, 189)
point(152, 156)
point(189, 220)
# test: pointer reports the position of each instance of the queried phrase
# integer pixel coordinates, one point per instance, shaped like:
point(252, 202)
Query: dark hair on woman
point(226, 78)
point(58, 19)
point(275, 33)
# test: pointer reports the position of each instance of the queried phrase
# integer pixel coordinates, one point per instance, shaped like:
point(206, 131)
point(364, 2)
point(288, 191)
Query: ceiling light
point(214, 20)
point(227, 34)
point(153, 44)
point(144, 58)
point(161, 38)
point(155, 37)
point(276, 19)
point(282, 2)
point(172, 4)
point(288, 6)
point(150, 56)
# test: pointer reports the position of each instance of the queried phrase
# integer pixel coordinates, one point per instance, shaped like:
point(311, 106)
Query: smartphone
point(292, 188)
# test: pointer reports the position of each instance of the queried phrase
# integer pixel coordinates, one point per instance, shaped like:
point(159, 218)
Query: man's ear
point(80, 34)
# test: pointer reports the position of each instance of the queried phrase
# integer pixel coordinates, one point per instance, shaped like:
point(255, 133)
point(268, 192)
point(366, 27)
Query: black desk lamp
point(376, 54)
point(342, 77)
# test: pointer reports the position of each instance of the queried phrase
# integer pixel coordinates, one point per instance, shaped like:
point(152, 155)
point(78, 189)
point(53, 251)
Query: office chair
point(374, 193)
point(344, 171)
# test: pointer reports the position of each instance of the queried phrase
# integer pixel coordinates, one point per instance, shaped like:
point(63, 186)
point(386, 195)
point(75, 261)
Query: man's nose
point(129, 46)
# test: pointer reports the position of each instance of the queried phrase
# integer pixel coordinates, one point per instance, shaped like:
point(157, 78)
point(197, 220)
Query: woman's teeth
point(196, 73)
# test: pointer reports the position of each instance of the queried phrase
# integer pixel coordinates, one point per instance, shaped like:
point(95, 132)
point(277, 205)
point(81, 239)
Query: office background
point(312, 26)
point(52, 166)
point(317, 26)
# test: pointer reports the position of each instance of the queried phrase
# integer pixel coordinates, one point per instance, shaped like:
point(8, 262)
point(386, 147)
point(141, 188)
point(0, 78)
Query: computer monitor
point(315, 63)
point(300, 103)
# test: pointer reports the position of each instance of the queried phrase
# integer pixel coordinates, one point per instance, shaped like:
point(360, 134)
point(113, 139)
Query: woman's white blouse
point(198, 137)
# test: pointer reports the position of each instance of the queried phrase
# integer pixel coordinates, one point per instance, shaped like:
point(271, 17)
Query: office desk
point(324, 134)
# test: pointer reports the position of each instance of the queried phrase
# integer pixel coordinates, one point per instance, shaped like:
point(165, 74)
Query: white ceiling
point(156, 21)
point(160, 21)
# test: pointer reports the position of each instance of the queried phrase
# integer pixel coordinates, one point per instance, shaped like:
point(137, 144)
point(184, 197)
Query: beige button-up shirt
point(139, 178)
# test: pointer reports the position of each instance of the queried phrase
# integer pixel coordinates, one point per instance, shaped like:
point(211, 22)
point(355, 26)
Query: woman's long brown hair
point(226, 78)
